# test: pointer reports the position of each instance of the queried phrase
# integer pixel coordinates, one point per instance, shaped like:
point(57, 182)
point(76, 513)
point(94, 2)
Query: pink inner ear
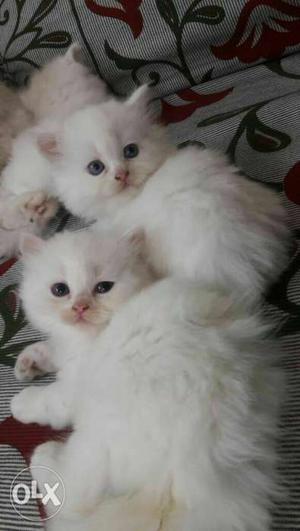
point(137, 238)
point(48, 144)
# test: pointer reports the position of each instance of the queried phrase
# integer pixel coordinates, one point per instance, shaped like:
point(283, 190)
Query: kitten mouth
point(128, 185)
point(125, 184)
point(81, 319)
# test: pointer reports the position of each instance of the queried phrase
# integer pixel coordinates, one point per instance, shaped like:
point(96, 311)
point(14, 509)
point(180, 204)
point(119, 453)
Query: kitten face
point(78, 280)
point(106, 152)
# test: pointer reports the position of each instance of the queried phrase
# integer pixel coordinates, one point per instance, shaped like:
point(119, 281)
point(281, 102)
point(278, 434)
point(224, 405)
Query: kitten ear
point(137, 242)
point(48, 144)
point(140, 100)
point(74, 53)
point(30, 244)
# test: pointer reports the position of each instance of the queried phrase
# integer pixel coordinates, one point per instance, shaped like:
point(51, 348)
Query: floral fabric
point(226, 74)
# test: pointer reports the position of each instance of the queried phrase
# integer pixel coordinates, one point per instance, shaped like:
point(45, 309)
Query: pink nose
point(122, 175)
point(80, 307)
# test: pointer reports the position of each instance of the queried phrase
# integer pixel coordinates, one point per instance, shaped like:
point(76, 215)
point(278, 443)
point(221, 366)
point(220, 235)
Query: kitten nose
point(122, 175)
point(80, 307)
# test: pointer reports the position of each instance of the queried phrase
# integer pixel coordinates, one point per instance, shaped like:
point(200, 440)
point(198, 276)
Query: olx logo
point(24, 490)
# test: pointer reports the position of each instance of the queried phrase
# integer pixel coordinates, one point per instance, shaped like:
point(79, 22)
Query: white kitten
point(59, 88)
point(62, 86)
point(14, 118)
point(175, 421)
point(26, 196)
point(72, 285)
point(202, 220)
point(90, 165)
point(26, 177)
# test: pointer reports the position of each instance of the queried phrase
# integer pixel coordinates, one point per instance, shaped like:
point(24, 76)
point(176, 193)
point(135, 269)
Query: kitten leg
point(44, 466)
point(44, 405)
point(33, 361)
point(12, 217)
point(9, 243)
point(57, 457)
point(82, 462)
point(82, 468)
point(39, 207)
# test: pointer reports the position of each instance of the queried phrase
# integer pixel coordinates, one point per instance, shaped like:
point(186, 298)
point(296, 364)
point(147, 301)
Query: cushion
point(226, 75)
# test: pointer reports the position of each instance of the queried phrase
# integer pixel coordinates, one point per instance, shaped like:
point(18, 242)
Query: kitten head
point(62, 86)
point(104, 154)
point(77, 280)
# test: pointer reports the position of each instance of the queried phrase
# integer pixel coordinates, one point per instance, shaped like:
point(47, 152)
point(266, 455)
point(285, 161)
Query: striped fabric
point(226, 74)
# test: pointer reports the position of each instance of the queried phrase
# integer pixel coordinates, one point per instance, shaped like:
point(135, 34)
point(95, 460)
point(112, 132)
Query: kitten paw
point(26, 407)
point(40, 208)
point(44, 469)
point(32, 362)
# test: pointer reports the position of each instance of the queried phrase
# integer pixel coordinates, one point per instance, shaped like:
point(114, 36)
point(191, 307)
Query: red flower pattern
point(252, 41)
point(292, 184)
point(129, 13)
point(5, 266)
point(26, 437)
point(177, 113)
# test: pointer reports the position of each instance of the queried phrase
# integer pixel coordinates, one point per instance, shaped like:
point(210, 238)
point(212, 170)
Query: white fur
point(175, 421)
point(14, 118)
point(202, 220)
point(62, 86)
point(81, 260)
point(58, 89)
point(101, 132)
point(28, 170)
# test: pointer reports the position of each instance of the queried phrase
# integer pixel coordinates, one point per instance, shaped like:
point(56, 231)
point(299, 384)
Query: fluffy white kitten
point(72, 285)
point(59, 88)
point(202, 220)
point(62, 86)
point(26, 195)
point(14, 118)
point(26, 183)
point(175, 421)
point(27, 200)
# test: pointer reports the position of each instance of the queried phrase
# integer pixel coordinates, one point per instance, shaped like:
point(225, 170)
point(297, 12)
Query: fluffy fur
point(175, 422)
point(62, 86)
point(27, 194)
point(81, 260)
point(21, 180)
point(14, 118)
point(27, 201)
point(202, 220)
point(82, 139)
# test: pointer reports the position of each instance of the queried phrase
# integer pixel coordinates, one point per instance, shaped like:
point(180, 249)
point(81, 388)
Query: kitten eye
point(130, 151)
point(60, 289)
point(95, 167)
point(103, 287)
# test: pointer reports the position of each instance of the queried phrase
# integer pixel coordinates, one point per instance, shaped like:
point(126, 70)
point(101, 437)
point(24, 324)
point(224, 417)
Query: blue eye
point(130, 151)
point(95, 167)
point(60, 289)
